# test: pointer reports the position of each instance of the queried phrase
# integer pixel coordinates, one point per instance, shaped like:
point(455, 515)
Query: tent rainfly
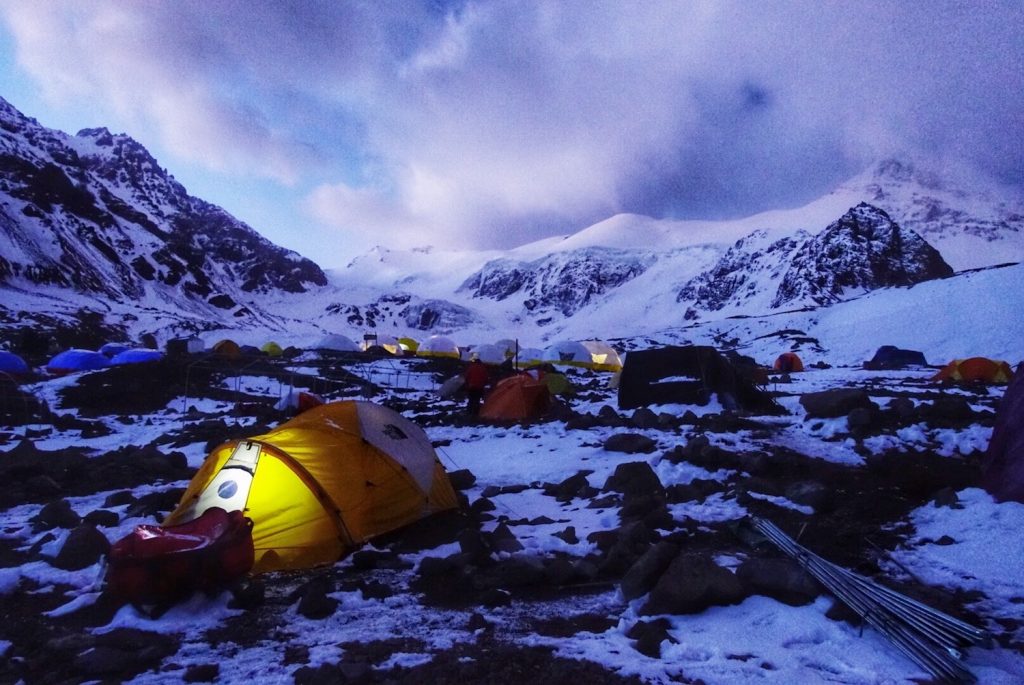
point(438, 346)
point(323, 483)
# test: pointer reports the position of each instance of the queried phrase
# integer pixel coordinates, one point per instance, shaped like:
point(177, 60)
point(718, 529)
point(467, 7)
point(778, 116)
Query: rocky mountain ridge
point(95, 213)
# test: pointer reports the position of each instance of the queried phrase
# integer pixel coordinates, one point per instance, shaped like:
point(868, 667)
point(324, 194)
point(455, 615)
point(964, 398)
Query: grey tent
point(689, 375)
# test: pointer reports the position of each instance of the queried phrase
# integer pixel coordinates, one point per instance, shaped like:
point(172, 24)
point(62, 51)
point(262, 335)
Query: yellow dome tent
point(322, 483)
point(272, 349)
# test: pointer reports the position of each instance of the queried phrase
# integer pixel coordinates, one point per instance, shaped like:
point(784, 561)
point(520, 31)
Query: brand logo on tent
point(394, 432)
point(227, 489)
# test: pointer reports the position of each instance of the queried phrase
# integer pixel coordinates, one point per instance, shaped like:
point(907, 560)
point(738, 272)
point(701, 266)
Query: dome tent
point(139, 355)
point(271, 349)
point(322, 483)
point(490, 354)
point(603, 356)
point(337, 343)
point(438, 346)
point(73, 360)
point(975, 370)
point(567, 352)
point(12, 363)
point(788, 362)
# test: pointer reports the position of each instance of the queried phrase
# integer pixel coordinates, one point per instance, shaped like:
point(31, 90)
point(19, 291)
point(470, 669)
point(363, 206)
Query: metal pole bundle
point(929, 637)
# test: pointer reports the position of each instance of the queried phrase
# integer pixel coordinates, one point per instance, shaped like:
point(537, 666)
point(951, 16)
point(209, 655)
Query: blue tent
point(12, 363)
point(136, 356)
point(112, 349)
point(70, 361)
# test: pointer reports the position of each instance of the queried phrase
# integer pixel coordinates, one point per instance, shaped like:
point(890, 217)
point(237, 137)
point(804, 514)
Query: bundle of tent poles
point(929, 637)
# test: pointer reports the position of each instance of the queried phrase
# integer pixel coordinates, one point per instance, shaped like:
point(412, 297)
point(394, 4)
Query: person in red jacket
point(475, 380)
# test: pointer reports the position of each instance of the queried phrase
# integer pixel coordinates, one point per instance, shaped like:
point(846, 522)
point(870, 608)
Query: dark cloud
point(494, 122)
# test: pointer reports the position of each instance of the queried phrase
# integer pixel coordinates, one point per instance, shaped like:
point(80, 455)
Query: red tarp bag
point(157, 563)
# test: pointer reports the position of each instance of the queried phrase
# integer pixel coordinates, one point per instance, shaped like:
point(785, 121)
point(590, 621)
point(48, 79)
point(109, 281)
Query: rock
point(780, 579)
point(903, 408)
point(643, 574)
point(102, 517)
point(515, 571)
point(811, 494)
point(477, 622)
point(644, 418)
point(691, 584)
point(835, 403)
point(462, 479)
point(859, 420)
point(608, 416)
point(375, 590)
point(84, 547)
point(247, 594)
point(56, 514)
point(570, 487)
point(568, 535)
point(202, 673)
point(649, 635)
point(118, 499)
point(946, 497)
point(472, 543)
point(630, 443)
point(43, 486)
point(635, 478)
point(502, 539)
point(948, 410)
point(315, 603)
point(324, 674)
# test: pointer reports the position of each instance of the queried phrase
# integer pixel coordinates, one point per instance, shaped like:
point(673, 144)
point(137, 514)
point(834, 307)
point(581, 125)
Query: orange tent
point(788, 362)
point(227, 348)
point(975, 369)
point(516, 398)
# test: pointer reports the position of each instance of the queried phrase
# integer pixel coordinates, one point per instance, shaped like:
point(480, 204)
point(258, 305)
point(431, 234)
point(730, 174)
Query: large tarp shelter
point(892, 357)
point(1003, 465)
point(688, 375)
point(322, 483)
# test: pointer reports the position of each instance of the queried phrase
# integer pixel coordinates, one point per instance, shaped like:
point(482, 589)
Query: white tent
point(337, 342)
point(438, 346)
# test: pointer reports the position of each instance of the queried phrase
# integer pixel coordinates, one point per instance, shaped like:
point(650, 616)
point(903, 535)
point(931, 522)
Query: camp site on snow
point(643, 488)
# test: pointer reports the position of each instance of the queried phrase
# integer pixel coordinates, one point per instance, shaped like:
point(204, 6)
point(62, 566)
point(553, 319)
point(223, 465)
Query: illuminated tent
point(788, 362)
point(380, 343)
point(409, 345)
point(438, 346)
point(271, 349)
point(71, 361)
point(603, 357)
point(322, 483)
point(568, 353)
point(975, 370)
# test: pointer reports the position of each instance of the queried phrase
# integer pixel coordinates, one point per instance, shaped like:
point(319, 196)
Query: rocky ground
point(859, 516)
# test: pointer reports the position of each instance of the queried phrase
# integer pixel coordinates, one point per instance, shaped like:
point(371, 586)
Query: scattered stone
point(477, 622)
point(780, 579)
point(43, 486)
point(202, 673)
point(84, 547)
point(946, 497)
point(948, 410)
point(649, 635)
point(56, 514)
point(811, 494)
point(691, 584)
point(502, 539)
point(644, 418)
point(835, 403)
point(118, 499)
point(635, 478)
point(247, 594)
point(945, 541)
point(859, 420)
point(568, 535)
point(315, 603)
point(903, 408)
point(102, 517)
point(462, 479)
point(569, 488)
point(630, 443)
point(641, 576)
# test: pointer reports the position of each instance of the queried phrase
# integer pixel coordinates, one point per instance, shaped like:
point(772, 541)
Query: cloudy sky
point(333, 126)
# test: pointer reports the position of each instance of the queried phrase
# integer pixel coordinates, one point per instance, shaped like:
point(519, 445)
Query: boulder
point(635, 478)
point(649, 635)
point(630, 443)
point(780, 579)
point(84, 547)
point(56, 514)
point(691, 584)
point(642, 575)
point(644, 418)
point(829, 404)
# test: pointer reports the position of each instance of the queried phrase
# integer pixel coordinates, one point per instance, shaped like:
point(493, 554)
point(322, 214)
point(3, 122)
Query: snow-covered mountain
point(93, 230)
point(95, 214)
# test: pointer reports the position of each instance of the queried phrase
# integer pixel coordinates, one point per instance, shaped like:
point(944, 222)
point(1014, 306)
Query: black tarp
point(1002, 467)
point(891, 357)
point(688, 375)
